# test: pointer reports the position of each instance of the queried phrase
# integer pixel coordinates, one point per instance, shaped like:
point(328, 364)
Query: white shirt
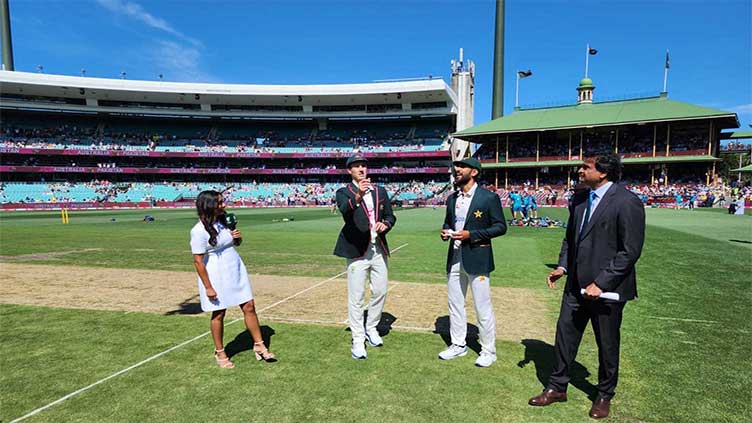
point(599, 193)
point(370, 212)
point(461, 208)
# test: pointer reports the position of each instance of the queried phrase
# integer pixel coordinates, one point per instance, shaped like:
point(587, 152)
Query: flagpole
point(517, 93)
point(665, 74)
point(587, 59)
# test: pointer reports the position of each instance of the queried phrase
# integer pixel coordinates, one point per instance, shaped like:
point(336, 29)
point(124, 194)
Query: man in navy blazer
point(473, 217)
point(604, 239)
point(368, 217)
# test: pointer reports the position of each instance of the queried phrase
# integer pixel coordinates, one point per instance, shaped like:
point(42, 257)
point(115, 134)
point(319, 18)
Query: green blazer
point(485, 220)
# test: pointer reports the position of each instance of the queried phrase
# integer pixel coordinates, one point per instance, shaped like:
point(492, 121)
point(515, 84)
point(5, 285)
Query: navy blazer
point(610, 244)
point(355, 236)
point(485, 220)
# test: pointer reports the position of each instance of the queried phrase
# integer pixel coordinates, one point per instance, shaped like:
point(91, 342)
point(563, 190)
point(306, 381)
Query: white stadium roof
point(413, 91)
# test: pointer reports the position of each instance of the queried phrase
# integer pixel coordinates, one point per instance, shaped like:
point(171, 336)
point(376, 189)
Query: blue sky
point(295, 42)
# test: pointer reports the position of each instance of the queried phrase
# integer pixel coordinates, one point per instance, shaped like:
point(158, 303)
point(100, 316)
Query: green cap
point(469, 162)
point(355, 159)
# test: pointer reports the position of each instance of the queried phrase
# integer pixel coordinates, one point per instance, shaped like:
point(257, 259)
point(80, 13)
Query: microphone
point(231, 221)
point(371, 187)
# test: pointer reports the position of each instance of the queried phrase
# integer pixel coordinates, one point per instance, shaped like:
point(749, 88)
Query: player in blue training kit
point(533, 207)
point(526, 205)
point(516, 205)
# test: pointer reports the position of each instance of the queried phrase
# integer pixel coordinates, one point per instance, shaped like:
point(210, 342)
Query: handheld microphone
point(231, 221)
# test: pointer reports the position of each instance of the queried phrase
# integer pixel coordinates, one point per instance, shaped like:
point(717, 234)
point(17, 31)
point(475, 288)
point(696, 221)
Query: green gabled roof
point(670, 159)
point(653, 109)
point(747, 168)
point(736, 135)
point(626, 161)
point(550, 163)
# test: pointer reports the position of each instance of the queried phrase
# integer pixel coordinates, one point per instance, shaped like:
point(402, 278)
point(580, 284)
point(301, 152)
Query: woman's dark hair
point(206, 206)
point(608, 163)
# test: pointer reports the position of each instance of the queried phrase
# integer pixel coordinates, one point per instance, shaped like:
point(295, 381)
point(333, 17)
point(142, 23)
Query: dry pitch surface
point(520, 313)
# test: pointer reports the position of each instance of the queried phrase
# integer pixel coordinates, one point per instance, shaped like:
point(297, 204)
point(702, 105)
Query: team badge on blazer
point(478, 214)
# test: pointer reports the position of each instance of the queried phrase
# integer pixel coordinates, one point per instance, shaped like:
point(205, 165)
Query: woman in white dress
point(222, 276)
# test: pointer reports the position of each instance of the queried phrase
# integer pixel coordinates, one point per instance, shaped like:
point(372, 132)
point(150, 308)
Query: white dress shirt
point(599, 193)
point(370, 212)
point(461, 208)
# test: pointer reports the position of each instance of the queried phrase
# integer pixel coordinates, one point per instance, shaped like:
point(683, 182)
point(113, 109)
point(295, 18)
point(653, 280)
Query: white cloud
point(742, 108)
point(136, 11)
point(179, 62)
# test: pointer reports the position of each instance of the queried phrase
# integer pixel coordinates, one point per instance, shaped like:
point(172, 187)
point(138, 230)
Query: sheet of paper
point(605, 295)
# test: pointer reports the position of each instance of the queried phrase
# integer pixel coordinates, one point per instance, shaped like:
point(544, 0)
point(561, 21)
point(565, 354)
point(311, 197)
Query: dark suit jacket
point(485, 220)
point(610, 245)
point(355, 236)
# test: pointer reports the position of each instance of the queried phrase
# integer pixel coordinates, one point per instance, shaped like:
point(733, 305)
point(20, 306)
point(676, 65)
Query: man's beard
point(461, 181)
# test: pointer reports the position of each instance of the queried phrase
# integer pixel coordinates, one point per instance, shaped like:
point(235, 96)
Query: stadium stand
point(71, 142)
point(277, 149)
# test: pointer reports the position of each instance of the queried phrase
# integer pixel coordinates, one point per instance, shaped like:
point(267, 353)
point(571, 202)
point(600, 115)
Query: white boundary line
point(678, 319)
point(155, 356)
point(336, 323)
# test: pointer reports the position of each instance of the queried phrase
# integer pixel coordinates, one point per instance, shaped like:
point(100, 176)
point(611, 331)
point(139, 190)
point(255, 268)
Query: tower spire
point(585, 91)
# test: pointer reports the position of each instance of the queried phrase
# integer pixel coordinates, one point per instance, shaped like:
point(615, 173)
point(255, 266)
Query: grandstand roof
point(736, 135)
point(747, 168)
point(626, 161)
point(636, 111)
point(373, 93)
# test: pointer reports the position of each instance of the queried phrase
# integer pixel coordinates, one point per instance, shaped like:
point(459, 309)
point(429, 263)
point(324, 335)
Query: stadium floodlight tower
point(6, 38)
point(463, 85)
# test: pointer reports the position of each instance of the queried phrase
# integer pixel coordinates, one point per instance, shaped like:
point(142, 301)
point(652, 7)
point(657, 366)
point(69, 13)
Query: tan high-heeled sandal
point(262, 353)
point(225, 362)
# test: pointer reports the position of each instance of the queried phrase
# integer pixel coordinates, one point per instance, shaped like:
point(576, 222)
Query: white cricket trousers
point(457, 282)
point(372, 266)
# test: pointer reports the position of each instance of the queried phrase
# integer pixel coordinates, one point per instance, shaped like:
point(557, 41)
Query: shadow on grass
point(441, 327)
point(740, 241)
point(385, 324)
point(187, 306)
point(244, 342)
point(552, 266)
point(542, 355)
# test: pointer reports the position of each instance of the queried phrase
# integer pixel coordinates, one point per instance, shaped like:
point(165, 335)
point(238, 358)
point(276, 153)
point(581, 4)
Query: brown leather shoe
point(547, 397)
point(600, 408)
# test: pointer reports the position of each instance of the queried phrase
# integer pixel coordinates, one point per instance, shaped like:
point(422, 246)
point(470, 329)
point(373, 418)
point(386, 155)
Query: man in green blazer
point(473, 217)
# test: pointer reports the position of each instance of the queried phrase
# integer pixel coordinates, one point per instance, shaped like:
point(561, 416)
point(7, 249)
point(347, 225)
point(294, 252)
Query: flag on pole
point(667, 61)
point(524, 74)
point(592, 51)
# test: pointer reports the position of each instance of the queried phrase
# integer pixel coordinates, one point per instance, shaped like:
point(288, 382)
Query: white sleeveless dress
point(227, 273)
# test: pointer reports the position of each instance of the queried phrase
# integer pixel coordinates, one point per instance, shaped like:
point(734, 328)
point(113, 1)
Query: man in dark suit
point(604, 239)
point(473, 217)
point(368, 217)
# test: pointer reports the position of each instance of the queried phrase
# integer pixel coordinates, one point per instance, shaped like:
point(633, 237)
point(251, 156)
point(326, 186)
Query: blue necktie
point(590, 200)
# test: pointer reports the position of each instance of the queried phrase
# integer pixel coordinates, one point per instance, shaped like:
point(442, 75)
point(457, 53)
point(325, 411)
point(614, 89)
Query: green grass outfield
point(685, 342)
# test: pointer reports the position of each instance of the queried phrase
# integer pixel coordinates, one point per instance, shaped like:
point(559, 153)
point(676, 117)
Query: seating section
point(183, 145)
point(190, 135)
point(95, 133)
point(45, 193)
point(100, 191)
